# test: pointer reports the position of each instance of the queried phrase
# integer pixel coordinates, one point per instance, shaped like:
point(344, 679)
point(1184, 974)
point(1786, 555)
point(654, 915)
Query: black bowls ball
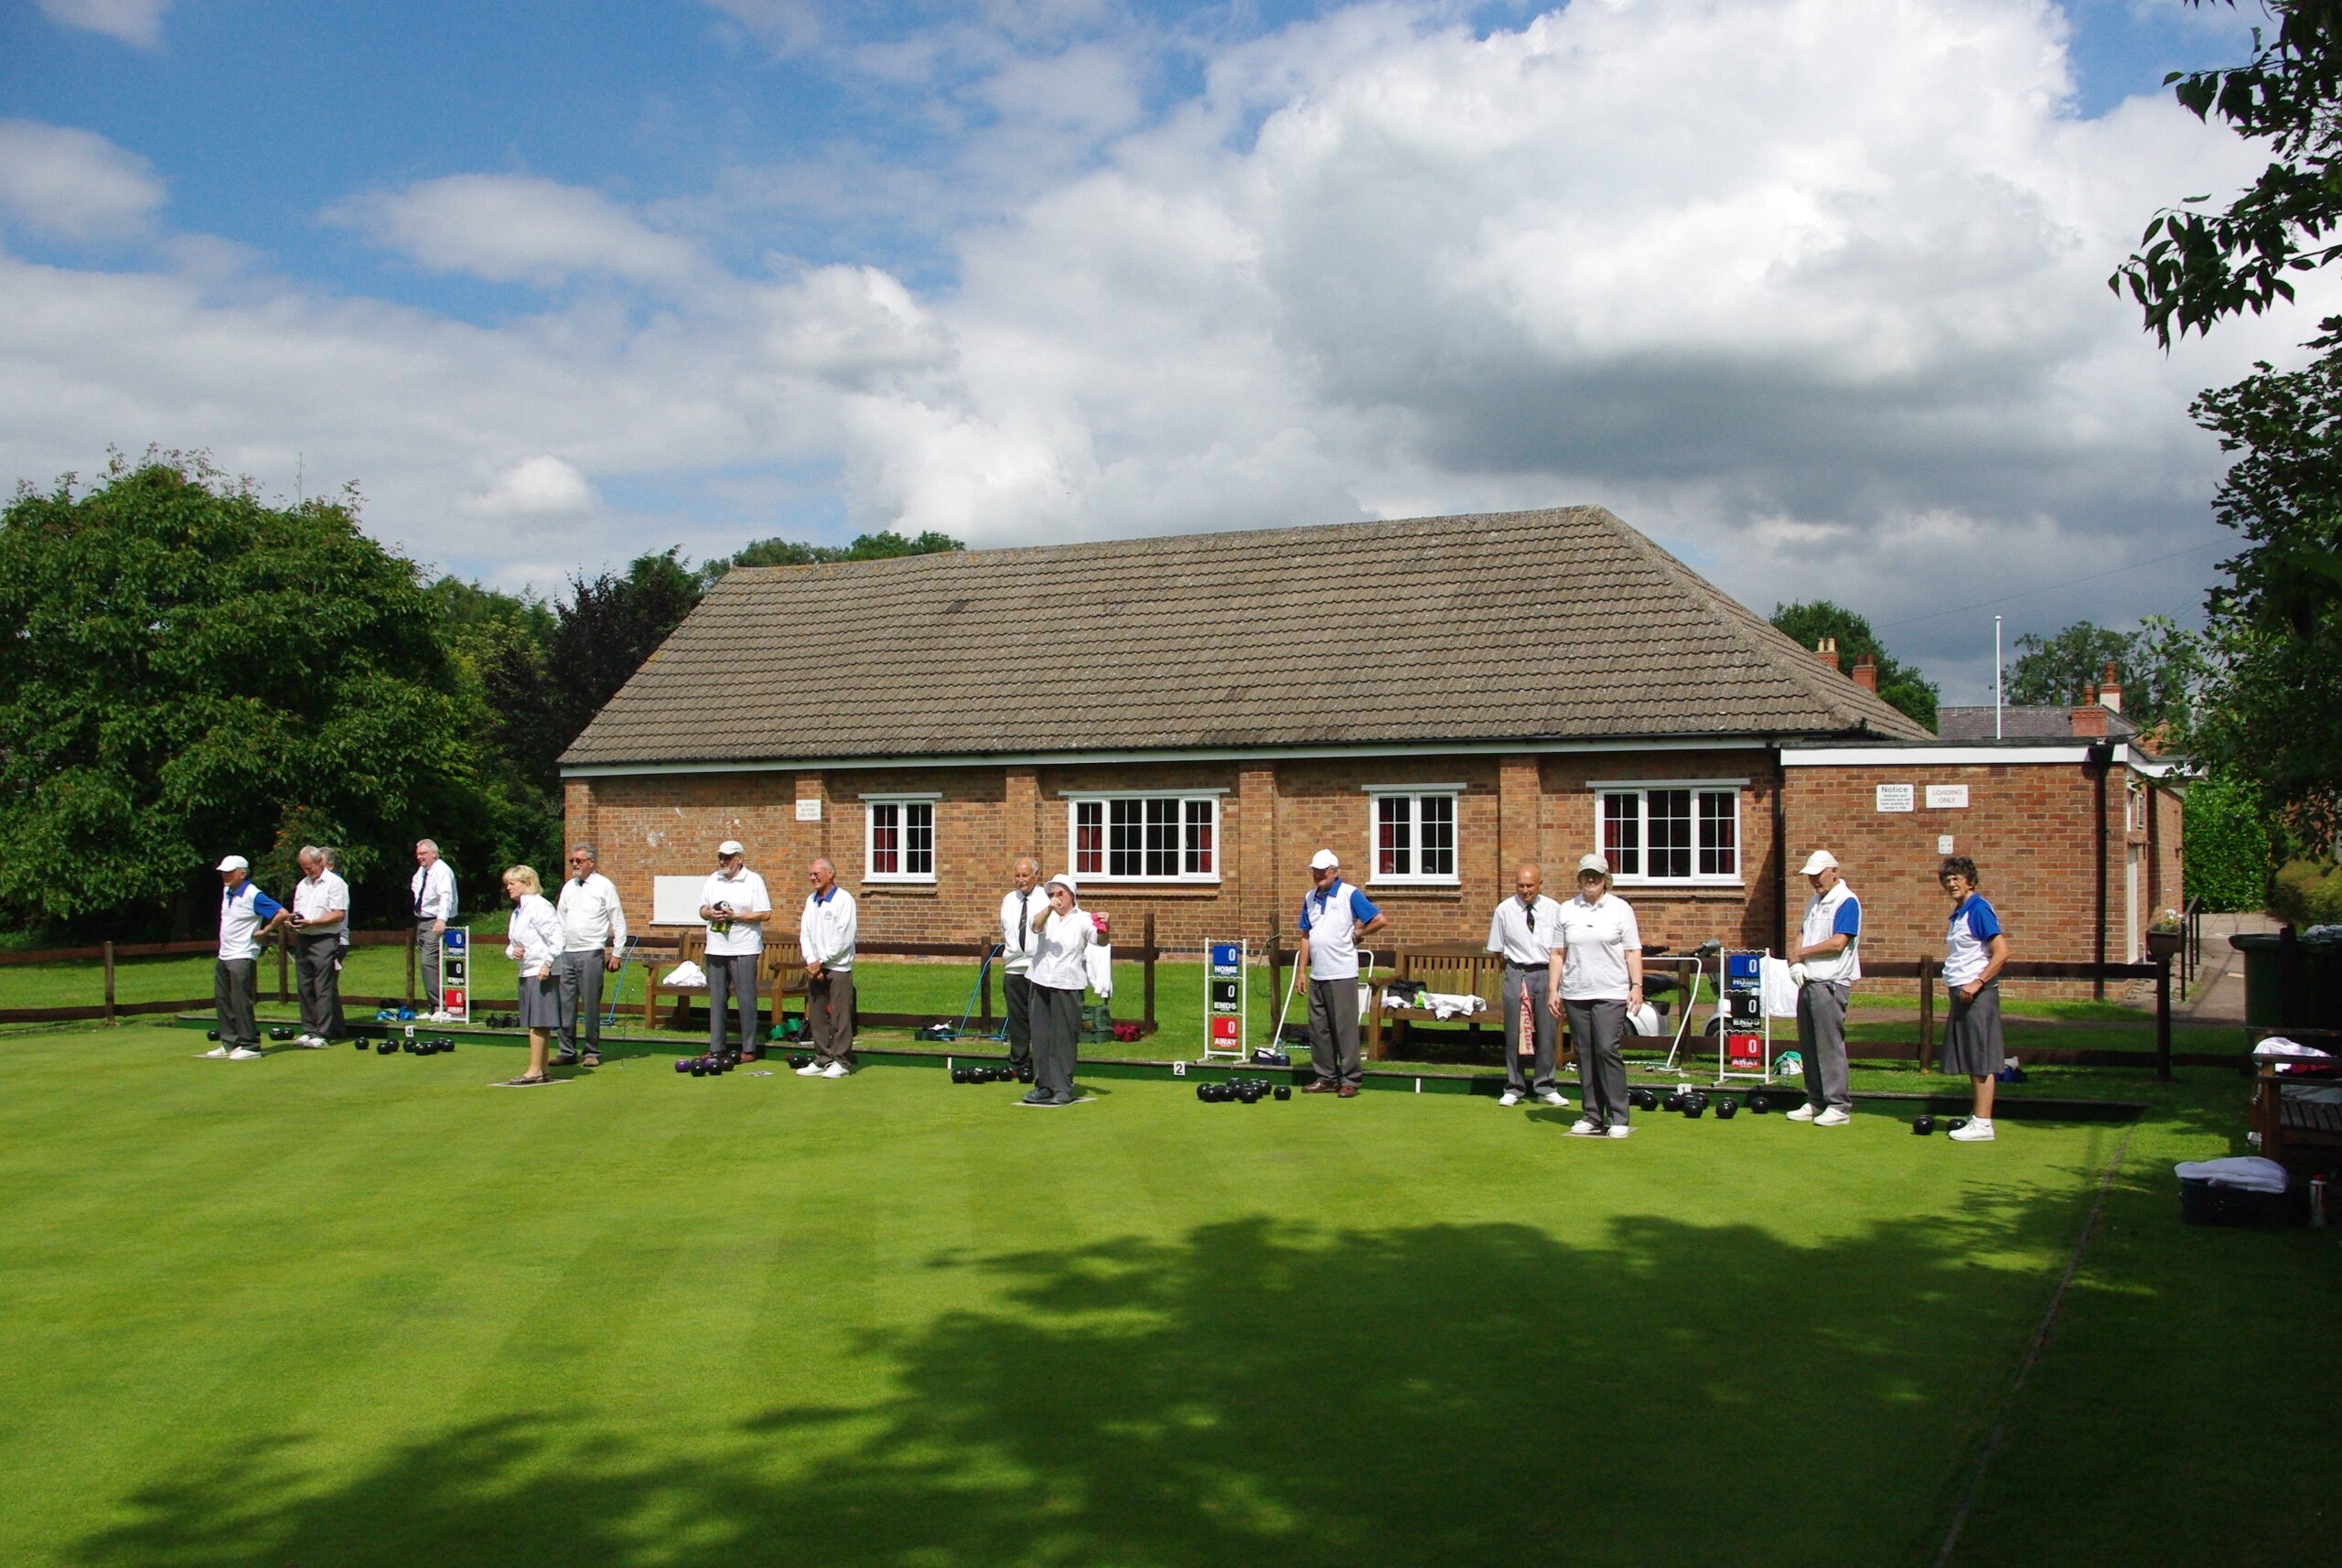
point(1694, 1108)
point(1284, 1091)
point(1758, 1105)
point(385, 1047)
point(1728, 1108)
point(1923, 1125)
point(1955, 1125)
point(359, 1042)
point(699, 1067)
point(1203, 1092)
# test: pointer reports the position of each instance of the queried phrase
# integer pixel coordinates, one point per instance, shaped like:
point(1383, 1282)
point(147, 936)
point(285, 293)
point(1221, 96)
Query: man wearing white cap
point(1594, 980)
point(826, 935)
point(1334, 916)
point(246, 914)
point(1063, 933)
point(735, 906)
point(1825, 961)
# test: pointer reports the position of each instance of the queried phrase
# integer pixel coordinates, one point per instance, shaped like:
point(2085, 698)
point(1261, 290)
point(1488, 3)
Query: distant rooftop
point(2045, 721)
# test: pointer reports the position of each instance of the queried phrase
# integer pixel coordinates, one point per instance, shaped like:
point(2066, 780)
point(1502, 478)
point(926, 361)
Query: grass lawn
point(332, 1308)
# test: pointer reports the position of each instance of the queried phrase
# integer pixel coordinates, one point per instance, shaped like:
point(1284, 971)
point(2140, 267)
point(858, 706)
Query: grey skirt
point(541, 1004)
point(1971, 1034)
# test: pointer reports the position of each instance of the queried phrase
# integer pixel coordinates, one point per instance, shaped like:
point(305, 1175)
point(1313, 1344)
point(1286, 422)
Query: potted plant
point(2165, 937)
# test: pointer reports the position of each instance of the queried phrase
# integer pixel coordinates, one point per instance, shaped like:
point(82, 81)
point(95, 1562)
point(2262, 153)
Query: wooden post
point(1150, 970)
point(1928, 967)
point(109, 983)
point(2163, 1019)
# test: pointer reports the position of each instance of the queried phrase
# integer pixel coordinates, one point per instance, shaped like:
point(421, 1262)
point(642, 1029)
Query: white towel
point(1098, 965)
point(1778, 990)
point(2276, 1046)
point(2247, 1171)
point(684, 975)
point(1451, 1003)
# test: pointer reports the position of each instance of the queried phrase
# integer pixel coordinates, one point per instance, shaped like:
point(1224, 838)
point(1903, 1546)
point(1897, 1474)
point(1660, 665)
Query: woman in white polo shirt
point(1063, 933)
point(533, 941)
point(1597, 978)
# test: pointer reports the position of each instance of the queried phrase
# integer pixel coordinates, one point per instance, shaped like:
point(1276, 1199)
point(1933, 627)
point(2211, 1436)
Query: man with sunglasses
point(593, 931)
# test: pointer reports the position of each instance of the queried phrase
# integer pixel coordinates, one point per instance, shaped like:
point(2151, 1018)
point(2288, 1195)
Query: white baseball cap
point(1819, 860)
point(235, 862)
point(731, 847)
point(1065, 879)
point(1593, 863)
point(1324, 860)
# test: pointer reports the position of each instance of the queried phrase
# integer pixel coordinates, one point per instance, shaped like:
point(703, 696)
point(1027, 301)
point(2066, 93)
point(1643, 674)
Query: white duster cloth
point(684, 975)
point(2247, 1171)
point(1778, 987)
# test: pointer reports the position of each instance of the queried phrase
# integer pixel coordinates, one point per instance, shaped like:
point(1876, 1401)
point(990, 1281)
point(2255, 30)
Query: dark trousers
point(232, 999)
point(578, 976)
point(1597, 1027)
point(1057, 1038)
point(1333, 1031)
point(734, 974)
point(1543, 1026)
point(1017, 992)
point(317, 963)
point(426, 967)
point(1821, 1042)
point(829, 1015)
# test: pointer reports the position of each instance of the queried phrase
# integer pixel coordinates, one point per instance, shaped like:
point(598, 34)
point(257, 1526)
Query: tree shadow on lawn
point(1264, 1392)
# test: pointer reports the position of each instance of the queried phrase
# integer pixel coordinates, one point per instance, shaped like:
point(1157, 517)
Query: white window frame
point(1194, 808)
point(1641, 791)
point(1415, 795)
point(901, 805)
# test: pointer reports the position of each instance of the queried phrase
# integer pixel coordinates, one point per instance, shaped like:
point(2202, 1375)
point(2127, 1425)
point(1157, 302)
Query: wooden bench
point(1455, 969)
point(780, 974)
point(2298, 1134)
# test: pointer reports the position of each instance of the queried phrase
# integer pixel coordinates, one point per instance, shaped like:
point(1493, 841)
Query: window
point(1145, 838)
point(898, 840)
point(1685, 833)
point(1414, 837)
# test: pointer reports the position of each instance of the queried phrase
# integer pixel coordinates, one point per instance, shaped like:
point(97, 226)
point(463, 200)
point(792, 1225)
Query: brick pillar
point(1518, 810)
point(1022, 831)
point(1253, 866)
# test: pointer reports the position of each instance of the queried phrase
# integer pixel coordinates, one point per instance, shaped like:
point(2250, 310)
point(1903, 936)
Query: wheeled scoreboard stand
point(1744, 1035)
point(455, 974)
point(1227, 1015)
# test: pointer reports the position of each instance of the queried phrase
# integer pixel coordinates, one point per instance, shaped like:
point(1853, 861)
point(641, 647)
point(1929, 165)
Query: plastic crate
point(2208, 1203)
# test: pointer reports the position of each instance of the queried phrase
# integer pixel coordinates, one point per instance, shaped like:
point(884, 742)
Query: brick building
point(1182, 721)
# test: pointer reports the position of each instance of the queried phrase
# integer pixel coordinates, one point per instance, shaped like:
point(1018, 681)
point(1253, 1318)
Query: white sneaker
point(1802, 1113)
point(1834, 1117)
point(810, 1070)
point(1978, 1131)
point(241, 1055)
point(835, 1069)
point(311, 1042)
point(1508, 1098)
point(1587, 1127)
point(216, 1051)
point(1619, 1129)
point(1555, 1097)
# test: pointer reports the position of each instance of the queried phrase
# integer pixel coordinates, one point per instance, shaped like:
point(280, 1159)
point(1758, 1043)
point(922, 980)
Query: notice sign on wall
point(1896, 798)
point(809, 811)
point(1947, 797)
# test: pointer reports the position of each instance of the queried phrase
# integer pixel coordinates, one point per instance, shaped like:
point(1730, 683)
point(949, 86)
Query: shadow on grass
point(1258, 1392)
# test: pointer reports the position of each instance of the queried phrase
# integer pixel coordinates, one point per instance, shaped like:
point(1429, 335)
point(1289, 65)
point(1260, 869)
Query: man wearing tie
point(1522, 929)
point(1017, 940)
point(434, 887)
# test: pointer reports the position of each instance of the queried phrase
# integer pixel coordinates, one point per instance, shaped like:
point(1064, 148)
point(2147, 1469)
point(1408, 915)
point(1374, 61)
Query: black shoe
point(1066, 1098)
point(1038, 1097)
point(565, 1058)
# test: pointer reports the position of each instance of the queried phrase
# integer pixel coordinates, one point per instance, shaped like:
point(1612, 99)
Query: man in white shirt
point(434, 887)
point(1333, 916)
point(826, 935)
point(246, 914)
point(593, 931)
point(1017, 940)
point(735, 906)
point(321, 917)
point(1522, 929)
point(1826, 960)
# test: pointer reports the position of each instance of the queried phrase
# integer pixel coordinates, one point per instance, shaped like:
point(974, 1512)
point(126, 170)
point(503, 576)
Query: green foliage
point(2162, 667)
point(185, 671)
point(1901, 685)
point(2307, 893)
point(2225, 845)
point(881, 546)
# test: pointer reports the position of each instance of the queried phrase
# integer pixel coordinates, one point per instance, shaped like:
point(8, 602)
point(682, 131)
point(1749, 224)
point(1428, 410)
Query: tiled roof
point(1529, 626)
point(2031, 721)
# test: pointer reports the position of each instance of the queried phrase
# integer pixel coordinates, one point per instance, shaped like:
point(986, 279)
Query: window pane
point(1393, 837)
point(885, 859)
point(1125, 830)
point(1439, 836)
point(1667, 817)
point(1200, 836)
point(1163, 838)
point(1622, 839)
point(1089, 838)
point(918, 838)
point(1719, 833)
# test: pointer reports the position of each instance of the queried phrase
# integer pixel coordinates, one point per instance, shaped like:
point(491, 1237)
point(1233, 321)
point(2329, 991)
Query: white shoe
point(1834, 1117)
point(835, 1069)
point(1554, 1097)
point(1802, 1113)
point(217, 1051)
point(1978, 1131)
point(241, 1055)
point(311, 1042)
point(810, 1070)
point(1619, 1129)
point(1511, 1097)
point(1587, 1127)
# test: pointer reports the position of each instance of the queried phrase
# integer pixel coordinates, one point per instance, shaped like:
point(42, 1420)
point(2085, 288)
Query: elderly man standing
point(1825, 960)
point(1334, 916)
point(246, 914)
point(826, 935)
point(1522, 929)
point(593, 931)
point(735, 906)
point(434, 887)
point(1017, 941)
point(321, 917)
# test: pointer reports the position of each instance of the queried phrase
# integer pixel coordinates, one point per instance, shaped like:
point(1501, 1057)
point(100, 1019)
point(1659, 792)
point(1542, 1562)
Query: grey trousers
point(232, 999)
point(316, 964)
point(426, 967)
point(1333, 1031)
point(829, 1016)
point(578, 976)
point(1543, 1026)
point(1821, 1042)
point(1597, 1026)
point(1057, 1038)
point(1017, 992)
point(732, 974)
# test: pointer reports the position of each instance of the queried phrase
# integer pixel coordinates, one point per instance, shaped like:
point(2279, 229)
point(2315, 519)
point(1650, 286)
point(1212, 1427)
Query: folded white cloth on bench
point(685, 973)
point(2249, 1172)
point(1451, 1003)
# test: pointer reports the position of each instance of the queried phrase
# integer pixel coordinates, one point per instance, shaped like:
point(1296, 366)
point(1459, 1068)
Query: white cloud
point(537, 488)
point(137, 22)
point(73, 184)
point(518, 228)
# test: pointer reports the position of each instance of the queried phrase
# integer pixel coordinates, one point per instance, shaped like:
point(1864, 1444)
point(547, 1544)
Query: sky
point(1813, 292)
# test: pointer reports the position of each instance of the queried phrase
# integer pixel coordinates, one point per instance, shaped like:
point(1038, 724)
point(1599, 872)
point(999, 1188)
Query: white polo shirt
point(1059, 962)
point(534, 936)
point(325, 894)
point(1330, 920)
point(242, 912)
point(1595, 940)
point(1524, 932)
point(434, 892)
point(1835, 913)
point(826, 930)
point(1017, 940)
point(746, 893)
point(590, 917)
point(1967, 939)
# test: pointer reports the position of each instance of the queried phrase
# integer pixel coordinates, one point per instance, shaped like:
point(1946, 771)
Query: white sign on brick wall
point(1896, 798)
point(809, 811)
point(1947, 797)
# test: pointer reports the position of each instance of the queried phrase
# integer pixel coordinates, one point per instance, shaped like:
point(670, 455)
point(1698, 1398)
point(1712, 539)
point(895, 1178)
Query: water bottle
point(2317, 1202)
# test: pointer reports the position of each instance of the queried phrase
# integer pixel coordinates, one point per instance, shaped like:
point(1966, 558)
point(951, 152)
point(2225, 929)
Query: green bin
point(2290, 983)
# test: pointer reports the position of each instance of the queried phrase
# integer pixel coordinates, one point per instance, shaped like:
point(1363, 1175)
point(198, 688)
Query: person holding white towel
point(534, 940)
point(1064, 932)
point(1827, 952)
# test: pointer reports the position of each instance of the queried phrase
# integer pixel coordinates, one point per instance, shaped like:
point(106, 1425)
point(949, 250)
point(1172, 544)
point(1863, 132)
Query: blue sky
point(1811, 291)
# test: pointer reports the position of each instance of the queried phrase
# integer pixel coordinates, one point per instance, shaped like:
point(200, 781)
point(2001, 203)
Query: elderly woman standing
point(534, 940)
point(1059, 973)
point(1597, 978)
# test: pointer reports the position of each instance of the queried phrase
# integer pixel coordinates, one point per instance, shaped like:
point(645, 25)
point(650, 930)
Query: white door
point(2130, 904)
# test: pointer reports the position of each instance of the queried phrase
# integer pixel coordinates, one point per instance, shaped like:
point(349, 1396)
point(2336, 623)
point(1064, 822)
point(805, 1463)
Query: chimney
point(2109, 690)
point(1827, 652)
point(1866, 673)
point(2090, 719)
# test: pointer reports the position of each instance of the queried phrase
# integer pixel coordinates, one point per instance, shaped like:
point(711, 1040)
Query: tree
point(2225, 845)
point(884, 545)
point(1900, 684)
point(186, 671)
point(2162, 667)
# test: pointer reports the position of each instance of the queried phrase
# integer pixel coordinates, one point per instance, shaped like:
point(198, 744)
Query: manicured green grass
point(340, 1309)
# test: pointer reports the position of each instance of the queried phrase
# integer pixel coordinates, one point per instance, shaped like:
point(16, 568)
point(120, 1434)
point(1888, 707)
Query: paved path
point(2220, 988)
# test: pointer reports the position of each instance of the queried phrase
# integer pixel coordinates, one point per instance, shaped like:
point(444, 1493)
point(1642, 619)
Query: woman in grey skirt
point(534, 940)
point(1063, 933)
point(1973, 951)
